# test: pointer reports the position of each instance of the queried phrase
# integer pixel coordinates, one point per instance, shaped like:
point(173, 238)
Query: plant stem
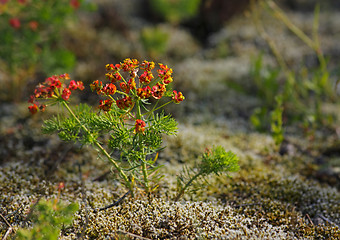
point(146, 178)
point(144, 168)
point(315, 45)
point(155, 109)
point(102, 150)
point(180, 194)
point(139, 115)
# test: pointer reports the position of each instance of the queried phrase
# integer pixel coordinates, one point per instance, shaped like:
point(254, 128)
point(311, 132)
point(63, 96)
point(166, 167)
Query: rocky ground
point(286, 192)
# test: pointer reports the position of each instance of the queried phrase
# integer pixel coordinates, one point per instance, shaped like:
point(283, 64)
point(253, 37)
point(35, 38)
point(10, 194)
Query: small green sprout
point(48, 218)
point(214, 161)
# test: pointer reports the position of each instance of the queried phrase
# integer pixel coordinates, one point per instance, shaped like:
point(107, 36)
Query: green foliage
point(154, 41)
point(266, 80)
point(276, 121)
point(41, 24)
point(302, 91)
point(132, 147)
point(70, 129)
point(268, 90)
point(31, 34)
point(57, 60)
point(217, 161)
point(214, 161)
point(175, 11)
point(48, 218)
point(259, 119)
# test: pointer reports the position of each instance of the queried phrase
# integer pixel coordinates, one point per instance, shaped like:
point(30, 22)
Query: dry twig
point(329, 221)
point(133, 235)
point(9, 230)
point(115, 203)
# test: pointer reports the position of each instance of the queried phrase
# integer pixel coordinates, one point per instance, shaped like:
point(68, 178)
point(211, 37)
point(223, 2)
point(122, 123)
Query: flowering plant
point(125, 112)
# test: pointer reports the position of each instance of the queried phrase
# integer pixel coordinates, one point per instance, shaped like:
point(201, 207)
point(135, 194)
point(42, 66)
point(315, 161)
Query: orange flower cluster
point(139, 126)
point(136, 87)
point(53, 88)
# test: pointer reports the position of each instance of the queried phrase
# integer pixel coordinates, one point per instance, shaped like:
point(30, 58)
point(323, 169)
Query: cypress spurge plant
point(125, 112)
point(213, 161)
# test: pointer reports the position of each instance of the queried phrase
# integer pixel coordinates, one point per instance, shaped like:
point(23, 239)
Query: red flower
point(146, 77)
point(132, 83)
point(66, 94)
point(33, 109)
point(139, 126)
point(3, 1)
point(109, 89)
point(165, 73)
point(53, 82)
point(76, 85)
point(96, 86)
point(64, 76)
point(120, 103)
point(49, 89)
point(15, 23)
point(167, 79)
point(144, 92)
point(21, 1)
point(73, 85)
point(125, 88)
point(124, 103)
point(177, 97)
point(43, 91)
point(111, 67)
point(80, 85)
point(158, 90)
point(113, 77)
point(75, 3)
point(147, 66)
point(129, 64)
point(105, 105)
point(128, 102)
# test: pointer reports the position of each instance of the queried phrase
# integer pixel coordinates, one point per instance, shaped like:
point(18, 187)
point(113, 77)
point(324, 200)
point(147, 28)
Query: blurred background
point(253, 66)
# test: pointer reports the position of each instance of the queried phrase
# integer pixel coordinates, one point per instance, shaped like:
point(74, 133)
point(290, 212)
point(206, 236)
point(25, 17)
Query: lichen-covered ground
point(286, 192)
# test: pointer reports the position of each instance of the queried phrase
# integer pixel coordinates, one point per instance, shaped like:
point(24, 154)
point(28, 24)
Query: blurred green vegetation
point(302, 92)
point(48, 218)
point(31, 41)
point(175, 11)
point(154, 41)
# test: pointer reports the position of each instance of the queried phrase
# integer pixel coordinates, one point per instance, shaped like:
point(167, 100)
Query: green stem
point(152, 110)
point(181, 193)
point(278, 13)
point(146, 178)
point(143, 164)
point(315, 45)
point(139, 115)
point(101, 149)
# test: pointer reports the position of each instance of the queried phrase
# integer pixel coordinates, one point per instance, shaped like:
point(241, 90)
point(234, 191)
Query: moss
point(286, 195)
